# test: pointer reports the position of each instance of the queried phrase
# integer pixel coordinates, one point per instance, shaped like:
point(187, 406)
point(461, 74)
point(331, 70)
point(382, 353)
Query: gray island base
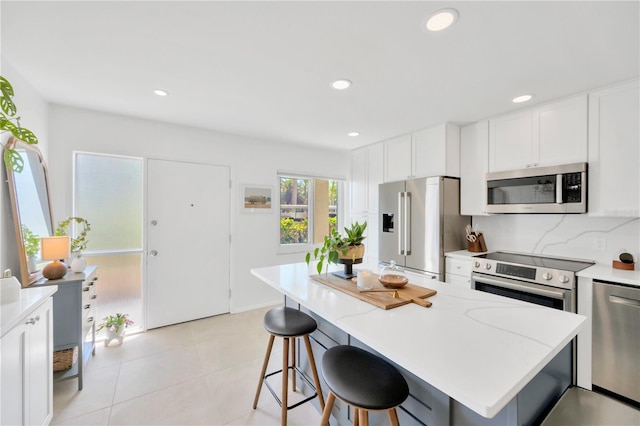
point(471, 359)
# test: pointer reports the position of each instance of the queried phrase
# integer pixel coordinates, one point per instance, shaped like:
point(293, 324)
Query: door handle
point(400, 223)
point(153, 253)
point(154, 222)
point(624, 301)
point(407, 223)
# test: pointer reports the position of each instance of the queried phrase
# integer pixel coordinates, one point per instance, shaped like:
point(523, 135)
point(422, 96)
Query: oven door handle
point(516, 285)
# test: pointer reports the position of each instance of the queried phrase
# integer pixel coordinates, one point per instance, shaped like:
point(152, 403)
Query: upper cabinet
point(430, 152)
point(551, 134)
point(614, 149)
point(397, 158)
point(474, 164)
point(366, 175)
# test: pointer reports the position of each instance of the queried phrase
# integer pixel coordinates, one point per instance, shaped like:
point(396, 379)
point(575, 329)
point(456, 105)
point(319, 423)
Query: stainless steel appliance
point(420, 220)
point(554, 189)
point(547, 281)
point(616, 340)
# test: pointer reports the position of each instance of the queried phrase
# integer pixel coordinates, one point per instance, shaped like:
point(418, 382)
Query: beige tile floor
point(202, 372)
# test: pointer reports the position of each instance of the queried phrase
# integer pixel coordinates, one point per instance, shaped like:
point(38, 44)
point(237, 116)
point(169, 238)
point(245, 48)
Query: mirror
point(31, 207)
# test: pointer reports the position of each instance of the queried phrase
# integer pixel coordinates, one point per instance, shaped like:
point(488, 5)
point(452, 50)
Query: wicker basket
point(64, 359)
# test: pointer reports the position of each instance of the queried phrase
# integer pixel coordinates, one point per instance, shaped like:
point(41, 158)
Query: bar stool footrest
point(302, 375)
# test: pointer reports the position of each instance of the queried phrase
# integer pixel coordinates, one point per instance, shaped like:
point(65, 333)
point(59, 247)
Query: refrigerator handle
point(407, 223)
point(400, 223)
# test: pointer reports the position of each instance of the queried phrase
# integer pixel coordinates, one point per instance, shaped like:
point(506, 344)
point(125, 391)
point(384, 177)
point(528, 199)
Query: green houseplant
point(336, 246)
point(31, 247)
point(8, 112)
point(79, 243)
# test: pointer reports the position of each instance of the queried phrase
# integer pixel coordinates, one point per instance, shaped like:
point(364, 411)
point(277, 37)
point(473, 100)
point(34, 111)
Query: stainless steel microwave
point(553, 189)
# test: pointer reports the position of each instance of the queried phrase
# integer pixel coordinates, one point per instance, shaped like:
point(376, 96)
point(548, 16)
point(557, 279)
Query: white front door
point(187, 241)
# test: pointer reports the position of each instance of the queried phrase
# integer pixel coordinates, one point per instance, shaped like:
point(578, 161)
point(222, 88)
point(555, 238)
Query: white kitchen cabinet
point(430, 152)
point(366, 175)
point(359, 188)
point(436, 151)
point(458, 272)
point(474, 164)
point(510, 140)
point(550, 134)
point(371, 234)
point(27, 369)
point(397, 158)
point(560, 132)
point(614, 150)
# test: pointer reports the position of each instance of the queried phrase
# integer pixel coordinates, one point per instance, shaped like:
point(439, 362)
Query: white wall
point(562, 235)
point(32, 109)
point(254, 236)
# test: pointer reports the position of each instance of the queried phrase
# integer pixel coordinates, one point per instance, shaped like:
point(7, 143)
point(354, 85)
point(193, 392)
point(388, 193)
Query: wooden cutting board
point(382, 299)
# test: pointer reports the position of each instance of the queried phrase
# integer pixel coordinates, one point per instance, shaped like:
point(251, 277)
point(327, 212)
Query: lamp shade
point(55, 248)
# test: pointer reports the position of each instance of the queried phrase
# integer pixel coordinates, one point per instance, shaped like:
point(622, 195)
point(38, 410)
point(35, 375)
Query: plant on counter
point(115, 322)
point(12, 158)
point(31, 242)
point(79, 243)
point(336, 246)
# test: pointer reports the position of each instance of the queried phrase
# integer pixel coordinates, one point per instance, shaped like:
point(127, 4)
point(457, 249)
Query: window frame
point(340, 211)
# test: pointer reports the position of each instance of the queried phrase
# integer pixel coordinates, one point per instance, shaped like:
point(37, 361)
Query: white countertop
point(478, 348)
point(11, 314)
point(600, 271)
point(463, 254)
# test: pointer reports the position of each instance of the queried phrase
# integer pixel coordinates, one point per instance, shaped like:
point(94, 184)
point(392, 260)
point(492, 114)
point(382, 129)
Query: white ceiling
point(263, 69)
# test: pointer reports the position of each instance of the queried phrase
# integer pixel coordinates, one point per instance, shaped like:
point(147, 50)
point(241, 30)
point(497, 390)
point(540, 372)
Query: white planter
point(78, 264)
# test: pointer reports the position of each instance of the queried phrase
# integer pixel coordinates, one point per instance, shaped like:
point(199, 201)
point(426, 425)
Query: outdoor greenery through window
point(308, 209)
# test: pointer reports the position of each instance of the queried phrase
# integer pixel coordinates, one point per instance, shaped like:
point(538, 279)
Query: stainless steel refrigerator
point(420, 221)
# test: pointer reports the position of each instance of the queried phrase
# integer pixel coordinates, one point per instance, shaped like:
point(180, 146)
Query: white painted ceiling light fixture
point(441, 19)
point(353, 134)
point(522, 98)
point(341, 84)
point(160, 92)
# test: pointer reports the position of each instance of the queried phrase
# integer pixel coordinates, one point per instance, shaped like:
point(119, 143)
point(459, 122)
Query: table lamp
point(55, 248)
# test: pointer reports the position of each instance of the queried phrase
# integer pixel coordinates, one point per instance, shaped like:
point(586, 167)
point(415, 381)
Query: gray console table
point(74, 318)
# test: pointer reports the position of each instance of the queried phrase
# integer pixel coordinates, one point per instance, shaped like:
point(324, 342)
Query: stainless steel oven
point(546, 281)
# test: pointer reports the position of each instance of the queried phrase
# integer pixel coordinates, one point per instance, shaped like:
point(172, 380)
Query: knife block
point(477, 246)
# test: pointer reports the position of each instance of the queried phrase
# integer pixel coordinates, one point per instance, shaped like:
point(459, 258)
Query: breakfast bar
point(479, 350)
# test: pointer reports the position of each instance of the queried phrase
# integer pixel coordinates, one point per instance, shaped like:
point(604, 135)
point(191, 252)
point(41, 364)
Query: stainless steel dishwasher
point(616, 339)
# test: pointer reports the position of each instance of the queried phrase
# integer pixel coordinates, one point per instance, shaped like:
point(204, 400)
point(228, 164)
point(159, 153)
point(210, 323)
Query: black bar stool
point(364, 381)
point(289, 324)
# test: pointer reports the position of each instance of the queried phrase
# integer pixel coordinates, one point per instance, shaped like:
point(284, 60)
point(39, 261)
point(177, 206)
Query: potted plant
point(115, 326)
point(340, 249)
point(31, 247)
point(79, 243)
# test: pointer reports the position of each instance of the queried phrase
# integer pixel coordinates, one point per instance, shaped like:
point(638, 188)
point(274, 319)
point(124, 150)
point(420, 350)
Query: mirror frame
point(26, 278)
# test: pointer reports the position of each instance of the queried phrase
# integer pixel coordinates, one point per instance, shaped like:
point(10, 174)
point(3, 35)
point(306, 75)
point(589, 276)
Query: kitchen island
point(478, 349)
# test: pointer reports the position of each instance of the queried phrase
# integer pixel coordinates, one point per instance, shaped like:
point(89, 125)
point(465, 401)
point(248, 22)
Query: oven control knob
point(476, 264)
point(487, 266)
point(563, 278)
point(547, 276)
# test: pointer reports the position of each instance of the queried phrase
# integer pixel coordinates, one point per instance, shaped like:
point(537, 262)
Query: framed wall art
point(256, 199)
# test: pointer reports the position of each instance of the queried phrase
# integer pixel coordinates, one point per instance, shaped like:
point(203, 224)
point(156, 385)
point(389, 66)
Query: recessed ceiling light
point(341, 84)
point(442, 19)
point(353, 134)
point(160, 92)
point(521, 98)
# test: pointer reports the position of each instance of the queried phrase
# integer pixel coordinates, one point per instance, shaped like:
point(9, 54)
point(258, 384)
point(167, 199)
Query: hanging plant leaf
point(7, 125)
point(5, 87)
point(25, 135)
point(13, 160)
point(7, 105)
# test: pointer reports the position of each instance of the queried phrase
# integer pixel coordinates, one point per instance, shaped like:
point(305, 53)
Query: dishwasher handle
point(624, 301)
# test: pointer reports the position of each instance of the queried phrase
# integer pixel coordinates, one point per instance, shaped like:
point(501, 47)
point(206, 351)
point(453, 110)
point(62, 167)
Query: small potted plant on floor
point(115, 326)
point(341, 249)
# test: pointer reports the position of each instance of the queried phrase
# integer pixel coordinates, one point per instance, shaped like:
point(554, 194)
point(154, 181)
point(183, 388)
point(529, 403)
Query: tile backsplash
point(579, 236)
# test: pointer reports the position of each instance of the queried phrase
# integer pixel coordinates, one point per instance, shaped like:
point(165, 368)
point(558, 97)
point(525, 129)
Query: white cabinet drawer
point(458, 267)
point(458, 280)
